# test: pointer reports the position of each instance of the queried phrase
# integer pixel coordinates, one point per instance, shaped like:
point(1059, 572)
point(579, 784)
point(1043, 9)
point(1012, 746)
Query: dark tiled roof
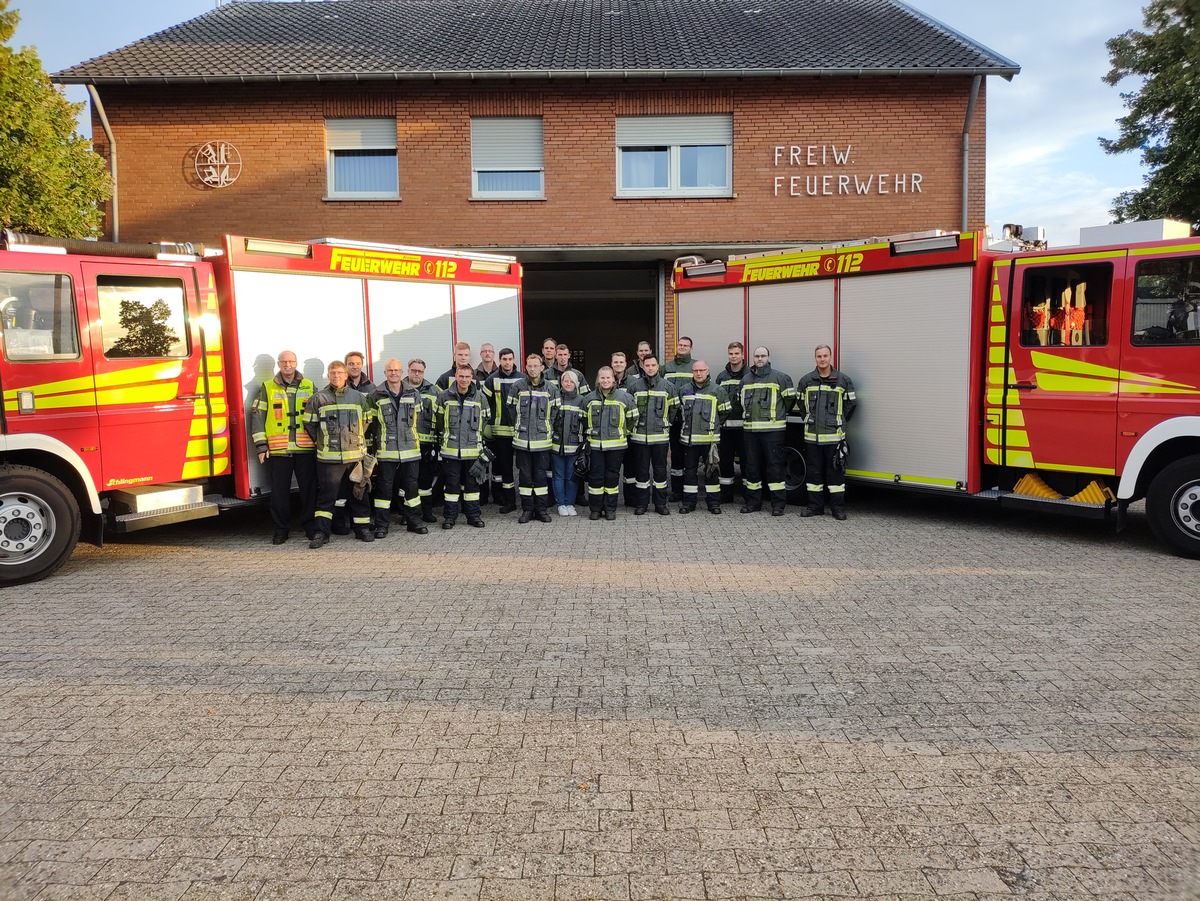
point(400, 39)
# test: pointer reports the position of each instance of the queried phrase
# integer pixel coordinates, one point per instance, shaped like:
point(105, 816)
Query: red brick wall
point(896, 125)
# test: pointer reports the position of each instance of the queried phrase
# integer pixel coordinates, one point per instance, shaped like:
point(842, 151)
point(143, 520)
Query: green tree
point(1163, 121)
point(51, 182)
point(146, 331)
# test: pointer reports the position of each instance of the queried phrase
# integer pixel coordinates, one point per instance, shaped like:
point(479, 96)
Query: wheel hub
point(1185, 507)
point(26, 525)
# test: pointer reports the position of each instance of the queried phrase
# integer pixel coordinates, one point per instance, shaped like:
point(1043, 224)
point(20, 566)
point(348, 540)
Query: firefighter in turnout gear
point(535, 400)
point(656, 400)
point(826, 397)
point(277, 426)
point(703, 406)
point(427, 469)
point(731, 379)
point(678, 372)
point(399, 457)
point(624, 376)
point(341, 423)
point(496, 388)
point(459, 415)
point(610, 413)
point(767, 397)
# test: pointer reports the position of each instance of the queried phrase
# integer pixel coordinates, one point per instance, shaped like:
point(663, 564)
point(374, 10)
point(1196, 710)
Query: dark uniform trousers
point(531, 474)
point(460, 487)
point(764, 462)
point(333, 481)
point(427, 472)
point(645, 458)
point(304, 468)
point(822, 477)
point(731, 447)
point(504, 486)
point(677, 455)
point(695, 463)
point(629, 462)
point(604, 478)
point(390, 477)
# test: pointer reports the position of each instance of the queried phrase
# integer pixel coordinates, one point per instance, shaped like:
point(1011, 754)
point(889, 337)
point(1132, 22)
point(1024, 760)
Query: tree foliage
point(1163, 121)
point(146, 331)
point(51, 182)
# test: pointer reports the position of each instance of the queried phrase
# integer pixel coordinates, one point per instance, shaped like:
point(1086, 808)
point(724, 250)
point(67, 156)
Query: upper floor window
point(675, 156)
point(362, 159)
point(1166, 301)
point(507, 160)
point(1065, 306)
point(37, 316)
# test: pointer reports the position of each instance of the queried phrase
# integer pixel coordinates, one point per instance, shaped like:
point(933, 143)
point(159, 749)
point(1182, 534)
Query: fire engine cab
point(1054, 379)
point(128, 371)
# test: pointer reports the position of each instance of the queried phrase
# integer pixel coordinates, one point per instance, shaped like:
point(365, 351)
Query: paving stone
point(944, 706)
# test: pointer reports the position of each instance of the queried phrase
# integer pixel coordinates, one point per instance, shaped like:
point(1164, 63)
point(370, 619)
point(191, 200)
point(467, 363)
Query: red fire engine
point(1055, 379)
point(128, 371)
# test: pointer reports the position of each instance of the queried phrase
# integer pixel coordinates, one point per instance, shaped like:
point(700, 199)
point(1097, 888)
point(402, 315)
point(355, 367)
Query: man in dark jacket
point(827, 398)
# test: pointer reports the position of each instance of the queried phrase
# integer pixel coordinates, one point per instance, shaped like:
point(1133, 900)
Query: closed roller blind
point(360, 134)
point(656, 131)
point(506, 143)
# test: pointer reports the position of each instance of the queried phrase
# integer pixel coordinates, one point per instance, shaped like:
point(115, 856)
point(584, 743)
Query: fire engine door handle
point(191, 396)
point(1025, 386)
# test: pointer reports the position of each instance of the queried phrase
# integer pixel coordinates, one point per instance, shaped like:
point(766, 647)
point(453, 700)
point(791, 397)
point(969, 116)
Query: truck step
point(154, 498)
point(133, 522)
point(1062, 505)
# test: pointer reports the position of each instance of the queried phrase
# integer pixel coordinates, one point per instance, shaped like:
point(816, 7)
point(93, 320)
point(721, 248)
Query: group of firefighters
point(535, 429)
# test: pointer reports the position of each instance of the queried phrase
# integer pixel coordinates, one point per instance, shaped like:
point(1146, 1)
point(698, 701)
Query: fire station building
point(597, 140)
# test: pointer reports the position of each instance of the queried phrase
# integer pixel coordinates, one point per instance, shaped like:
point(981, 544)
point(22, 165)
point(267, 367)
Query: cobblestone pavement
point(953, 702)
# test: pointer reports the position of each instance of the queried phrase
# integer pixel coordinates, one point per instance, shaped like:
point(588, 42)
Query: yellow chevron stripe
point(1174, 248)
point(1055, 382)
point(200, 447)
point(1016, 437)
point(1045, 360)
point(200, 427)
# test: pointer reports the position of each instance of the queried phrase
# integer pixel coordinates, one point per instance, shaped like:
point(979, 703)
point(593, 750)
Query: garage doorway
point(594, 308)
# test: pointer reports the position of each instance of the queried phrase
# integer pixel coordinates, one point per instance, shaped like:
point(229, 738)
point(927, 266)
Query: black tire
point(39, 524)
point(1173, 506)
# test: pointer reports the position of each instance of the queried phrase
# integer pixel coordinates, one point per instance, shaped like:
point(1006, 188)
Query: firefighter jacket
point(398, 414)
point(446, 379)
point(626, 381)
point(341, 424)
point(428, 394)
point(481, 374)
point(534, 406)
point(496, 389)
point(609, 417)
point(553, 374)
point(458, 421)
point(568, 427)
point(656, 399)
point(827, 404)
point(365, 386)
point(678, 370)
point(277, 417)
point(703, 409)
point(767, 397)
point(732, 383)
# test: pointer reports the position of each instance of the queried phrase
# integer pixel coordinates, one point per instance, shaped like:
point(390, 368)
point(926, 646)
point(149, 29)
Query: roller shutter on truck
point(905, 339)
point(790, 319)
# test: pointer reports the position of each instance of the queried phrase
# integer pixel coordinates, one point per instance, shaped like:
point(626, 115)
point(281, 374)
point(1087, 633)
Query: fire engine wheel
point(39, 524)
point(1173, 506)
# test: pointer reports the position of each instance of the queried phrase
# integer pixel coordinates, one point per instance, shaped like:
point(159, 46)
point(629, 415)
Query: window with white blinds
point(362, 159)
point(507, 161)
point(675, 156)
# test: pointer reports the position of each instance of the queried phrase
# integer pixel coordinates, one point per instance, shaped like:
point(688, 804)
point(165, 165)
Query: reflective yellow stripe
point(900, 477)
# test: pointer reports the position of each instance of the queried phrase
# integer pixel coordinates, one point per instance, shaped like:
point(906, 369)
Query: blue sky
point(1045, 166)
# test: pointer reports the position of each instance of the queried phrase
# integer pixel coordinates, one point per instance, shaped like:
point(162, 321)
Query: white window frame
point(672, 133)
point(507, 144)
point(375, 133)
